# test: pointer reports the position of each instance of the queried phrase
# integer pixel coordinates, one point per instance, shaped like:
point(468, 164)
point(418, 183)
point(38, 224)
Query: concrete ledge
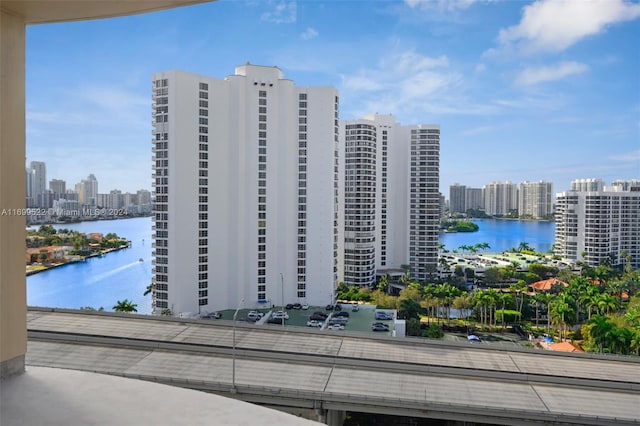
point(11, 367)
point(58, 397)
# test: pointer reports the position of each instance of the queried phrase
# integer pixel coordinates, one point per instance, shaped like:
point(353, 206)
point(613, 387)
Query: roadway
point(340, 371)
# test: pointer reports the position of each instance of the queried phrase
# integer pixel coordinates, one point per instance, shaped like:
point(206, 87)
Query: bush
point(509, 315)
point(433, 332)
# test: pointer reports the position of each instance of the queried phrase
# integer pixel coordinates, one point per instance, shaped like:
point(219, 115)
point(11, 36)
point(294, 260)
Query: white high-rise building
point(424, 200)
point(58, 186)
point(38, 181)
point(457, 198)
point(535, 200)
point(245, 175)
point(500, 198)
point(473, 199)
point(390, 190)
point(587, 185)
point(87, 190)
point(374, 173)
point(591, 226)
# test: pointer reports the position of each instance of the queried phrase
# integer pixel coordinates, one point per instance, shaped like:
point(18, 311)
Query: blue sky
point(545, 90)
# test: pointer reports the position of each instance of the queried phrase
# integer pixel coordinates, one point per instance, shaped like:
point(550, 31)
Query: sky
point(523, 90)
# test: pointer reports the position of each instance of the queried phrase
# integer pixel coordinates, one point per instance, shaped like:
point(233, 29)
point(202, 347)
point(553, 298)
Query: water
point(100, 281)
point(504, 234)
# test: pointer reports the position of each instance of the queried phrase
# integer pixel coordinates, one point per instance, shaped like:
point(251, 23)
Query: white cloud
point(481, 68)
point(534, 75)
point(442, 5)
point(555, 25)
point(309, 34)
point(409, 85)
point(633, 156)
point(282, 12)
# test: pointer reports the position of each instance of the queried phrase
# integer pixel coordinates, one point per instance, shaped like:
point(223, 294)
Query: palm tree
point(590, 299)
point(383, 284)
point(620, 340)
point(543, 299)
point(125, 306)
point(519, 289)
point(524, 246)
point(492, 299)
point(600, 330)
point(633, 316)
point(560, 309)
point(635, 341)
point(480, 301)
point(606, 303)
point(149, 288)
point(503, 298)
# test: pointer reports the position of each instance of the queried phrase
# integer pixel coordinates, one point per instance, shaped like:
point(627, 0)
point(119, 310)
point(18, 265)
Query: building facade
point(374, 173)
point(457, 198)
point(500, 198)
point(392, 204)
point(38, 182)
point(473, 199)
point(592, 226)
point(245, 175)
point(535, 200)
point(424, 200)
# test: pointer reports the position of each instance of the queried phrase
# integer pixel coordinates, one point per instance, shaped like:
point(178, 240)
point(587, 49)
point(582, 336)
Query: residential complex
point(457, 197)
point(600, 224)
point(246, 190)
point(57, 203)
point(535, 200)
point(391, 201)
point(528, 199)
point(500, 198)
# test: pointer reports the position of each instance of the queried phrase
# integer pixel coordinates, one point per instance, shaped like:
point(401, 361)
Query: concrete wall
point(13, 303)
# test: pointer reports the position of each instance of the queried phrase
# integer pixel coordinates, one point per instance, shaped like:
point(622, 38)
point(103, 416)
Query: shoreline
point(83, 259)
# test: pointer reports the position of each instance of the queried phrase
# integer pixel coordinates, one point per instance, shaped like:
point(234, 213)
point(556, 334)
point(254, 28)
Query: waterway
point(503, 235)
point(102, 281)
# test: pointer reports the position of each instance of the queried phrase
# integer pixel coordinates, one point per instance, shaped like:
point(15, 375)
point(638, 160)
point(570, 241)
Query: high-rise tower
point(245, 184)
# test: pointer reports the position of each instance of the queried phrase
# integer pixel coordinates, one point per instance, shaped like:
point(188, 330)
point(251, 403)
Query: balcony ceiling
point(43, 11)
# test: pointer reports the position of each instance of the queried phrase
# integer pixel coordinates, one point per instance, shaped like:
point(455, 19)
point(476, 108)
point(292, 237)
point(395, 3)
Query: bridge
point(336, 372)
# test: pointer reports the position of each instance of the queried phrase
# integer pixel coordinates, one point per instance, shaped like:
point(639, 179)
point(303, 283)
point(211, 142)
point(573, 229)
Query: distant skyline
point(543, 90)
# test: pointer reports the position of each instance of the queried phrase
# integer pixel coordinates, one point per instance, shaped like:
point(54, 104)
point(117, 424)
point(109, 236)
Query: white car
point(280, 315)
point(305, 307)
point(255, 315)
point(335, 327)
point(314, 323)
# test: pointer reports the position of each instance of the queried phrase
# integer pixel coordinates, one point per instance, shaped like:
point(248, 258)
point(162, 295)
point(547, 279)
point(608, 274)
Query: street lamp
point(282, 291)
point(233, 352)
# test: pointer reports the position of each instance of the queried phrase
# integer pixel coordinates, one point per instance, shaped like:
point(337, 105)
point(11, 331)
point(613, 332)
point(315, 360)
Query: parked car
point(274, 320)
point(383, 316)
point(338, 320)
point(355, 308)
point(296, 306)
point(320, 314)
point(317, 317)
point(329, 307)
point(211, 315)
point(289, 306)
point(254, 315)
point(314, 323)
point(305, 307)
point(335, 327)
point(338, 307)
point(280, 314)
point(378, 326)
point(341, 314)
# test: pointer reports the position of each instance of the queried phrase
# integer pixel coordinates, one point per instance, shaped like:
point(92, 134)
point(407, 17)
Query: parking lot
point(358, 321)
